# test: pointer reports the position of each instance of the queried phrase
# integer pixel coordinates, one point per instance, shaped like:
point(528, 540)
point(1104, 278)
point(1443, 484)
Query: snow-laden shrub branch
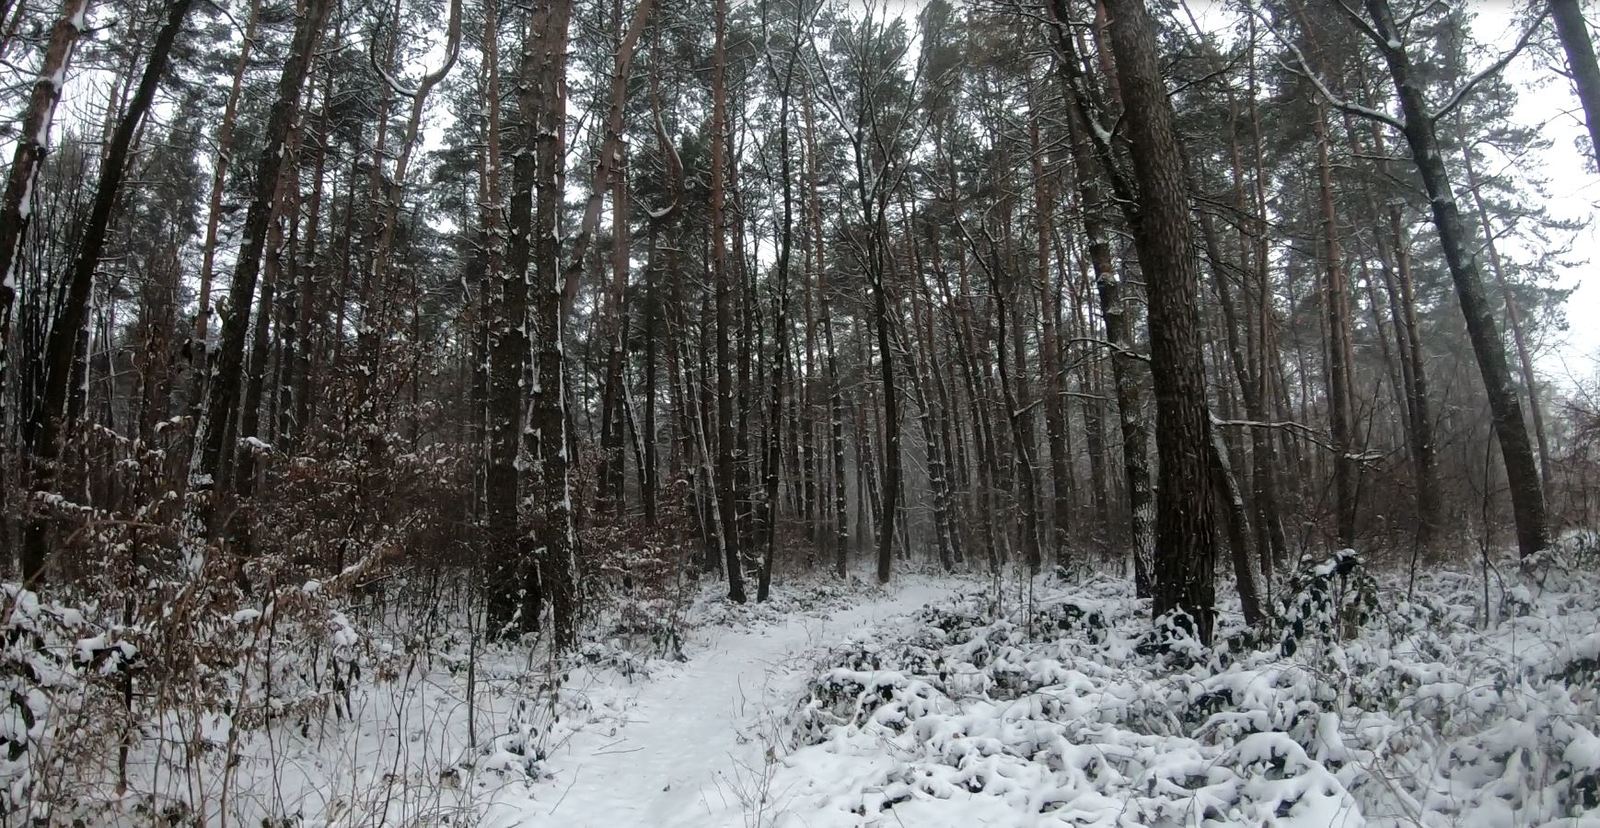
point(1358, 706)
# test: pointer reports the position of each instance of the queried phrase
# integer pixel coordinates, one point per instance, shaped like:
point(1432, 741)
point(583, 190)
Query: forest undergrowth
point(320, 704)
point(1370, 699)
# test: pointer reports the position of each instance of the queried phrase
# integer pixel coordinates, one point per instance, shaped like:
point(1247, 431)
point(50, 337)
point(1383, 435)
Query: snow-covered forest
point(796, 413)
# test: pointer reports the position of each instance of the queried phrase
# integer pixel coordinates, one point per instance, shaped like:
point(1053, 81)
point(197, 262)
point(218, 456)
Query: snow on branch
point(430, 79)
point(1303, 69)
point(1491, 70)
point(1311, 435)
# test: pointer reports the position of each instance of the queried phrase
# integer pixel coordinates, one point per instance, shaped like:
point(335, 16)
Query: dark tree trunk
point(552, 536)
point(1522, 472)
point(1336, 313)
point(222, 393)
point(891, 421)
point(22, 181)
point(219, 172)
point(1413, 366)
point(780, 338)
point(513, 581)
point(1236, 519)
point(44, 426)
point(1186, 543)
point(1050, 366)
point(841, 514)
point(727, 436)
point(1574, 34)
point(1027, 476)
point(1519, 338)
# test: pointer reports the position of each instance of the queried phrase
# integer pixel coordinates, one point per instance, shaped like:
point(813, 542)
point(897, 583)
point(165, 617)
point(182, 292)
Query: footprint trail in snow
point(691, 749)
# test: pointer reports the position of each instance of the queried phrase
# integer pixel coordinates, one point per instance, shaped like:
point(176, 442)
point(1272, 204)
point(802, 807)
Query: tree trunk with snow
point(47, 418)
point(33, 144)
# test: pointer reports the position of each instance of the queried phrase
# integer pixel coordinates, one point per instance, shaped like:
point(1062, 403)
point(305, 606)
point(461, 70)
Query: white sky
point(1548, 102)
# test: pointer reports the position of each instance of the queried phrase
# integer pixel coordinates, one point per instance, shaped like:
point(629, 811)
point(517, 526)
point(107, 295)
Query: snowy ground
point(383, 723)
point(1421, 711)
point(935, 702)
point(697, 744)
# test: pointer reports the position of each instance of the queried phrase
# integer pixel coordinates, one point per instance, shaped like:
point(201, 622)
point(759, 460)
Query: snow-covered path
point(692, 747)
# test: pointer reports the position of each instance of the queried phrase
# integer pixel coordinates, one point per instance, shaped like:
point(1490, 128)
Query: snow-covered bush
point(1360, 705)
point(1326, 602)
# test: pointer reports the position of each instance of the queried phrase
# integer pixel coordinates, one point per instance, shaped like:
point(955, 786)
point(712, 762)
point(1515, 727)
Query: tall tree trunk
point(1236, 519)
point(1519, 338)
point(1413, 363)
point(244, 467)
point(780, 338)
point(553, 536)
point(722, 276)
point(222, 394)
point(219, 173)
point(614, 326)
point(22, 181)
point(662, 221)
point(922, 376)
point(609, 478)
point(891, 397)
point(43, 428)
point(1522, 472)
point(648, 474)
point(841, 522)
point(1127, 370)
point(1050, 362)
point(513, 580)
point(313, 275)
point(748, 344)
point(1269, 528)
point(1027, 477)
point(378, 295)
point(489, 211)
point(1185, 520)
point(1336, 312)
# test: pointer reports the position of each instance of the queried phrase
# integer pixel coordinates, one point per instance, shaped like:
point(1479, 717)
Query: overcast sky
point(1548, 102)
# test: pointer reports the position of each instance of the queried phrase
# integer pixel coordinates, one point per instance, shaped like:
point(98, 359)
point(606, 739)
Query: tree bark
point(219, 173)
point(1050, 364)
point(1236, 519)
point(515, 592)
point(553, 534)
point(33, 144)
point(780, 339)
point(222, 393)
point(1519, 338)
point(841, 514)
point(1185, 520)
point(727, 437)
point(1336, 313)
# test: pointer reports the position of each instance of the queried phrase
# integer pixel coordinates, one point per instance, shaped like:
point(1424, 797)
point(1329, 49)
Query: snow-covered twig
point(1491, 70)
point(1303, 69)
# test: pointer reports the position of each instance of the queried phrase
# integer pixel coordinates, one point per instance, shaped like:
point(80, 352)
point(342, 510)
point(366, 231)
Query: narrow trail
point(692, 747)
